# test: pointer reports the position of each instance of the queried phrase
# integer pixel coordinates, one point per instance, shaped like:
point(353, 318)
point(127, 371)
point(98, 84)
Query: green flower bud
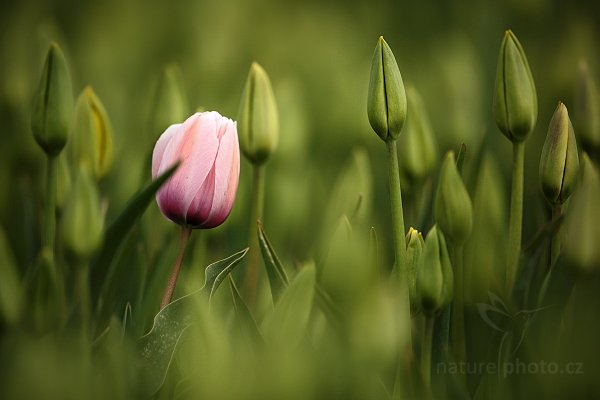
point(453, 210)
point(414, 261)
point(559, 161)
point(258, 121)
point(91, 143)
point(169, 105)
point(587, 108)
point(386, 103)
point(53, 104)
point(82, 222)
point(582, 223)
point(515, 98)
point(434, 278)
point(418, 148)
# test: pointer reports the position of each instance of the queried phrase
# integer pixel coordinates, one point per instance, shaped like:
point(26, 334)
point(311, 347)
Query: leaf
point(278, 278)
point(103, 268)
point(287, 323)
point(243, 313)
point(157, 348)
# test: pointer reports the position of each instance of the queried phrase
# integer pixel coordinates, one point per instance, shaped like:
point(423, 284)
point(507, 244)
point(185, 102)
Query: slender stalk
point(554, 253)
point(398, 229)
point(83, 293)
point(185, 236)
point(50, 211)
point(458, 308)
point(426, 351)
point(516, 215)
point(556, 238)
point(258, 198)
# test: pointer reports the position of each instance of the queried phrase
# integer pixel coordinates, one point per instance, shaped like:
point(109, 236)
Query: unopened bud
point(53, 105)
point(414, 262)
point(559, 162)
point(515, 98)
point(587, 107)
point(258, 121)
point(386, 103)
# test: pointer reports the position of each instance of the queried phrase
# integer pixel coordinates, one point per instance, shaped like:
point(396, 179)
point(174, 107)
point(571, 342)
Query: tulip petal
point(227, 167)
point(159, 148)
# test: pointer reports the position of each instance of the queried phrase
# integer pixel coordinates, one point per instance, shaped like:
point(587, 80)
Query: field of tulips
point(297, 200)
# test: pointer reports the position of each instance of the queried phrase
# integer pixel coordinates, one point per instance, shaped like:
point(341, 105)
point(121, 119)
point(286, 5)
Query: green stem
point(398, 234)
point(458, 308)
point(185, 236)
point(516, 215)
point(257, 206)
point(426, 351)
point(554, 253)
point(83, 292)
point(50, 211)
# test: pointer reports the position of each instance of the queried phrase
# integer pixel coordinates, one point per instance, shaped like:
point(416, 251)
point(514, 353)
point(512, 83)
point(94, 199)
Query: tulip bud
point(515, 97)
point(386, 103)
point(582, 223)
point(91, 140)
point(53, 104)
point(453, 209)
point(169, 105)
point(418, 148)
point(201, 192)
point(82, 222)
point(559, 161)
point(434, 278)
point(257, 117)
point(587, 115)
point(414, 261)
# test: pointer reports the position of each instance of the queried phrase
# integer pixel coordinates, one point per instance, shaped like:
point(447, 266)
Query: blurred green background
point(318, 56)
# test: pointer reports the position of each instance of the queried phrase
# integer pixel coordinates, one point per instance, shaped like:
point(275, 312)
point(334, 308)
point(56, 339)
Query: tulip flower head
point(201, 192)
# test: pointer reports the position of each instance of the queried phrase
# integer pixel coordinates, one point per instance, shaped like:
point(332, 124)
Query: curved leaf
point(278, 278)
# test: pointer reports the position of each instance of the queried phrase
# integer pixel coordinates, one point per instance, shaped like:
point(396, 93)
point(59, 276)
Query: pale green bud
point(431, 291)
point(453, 210)
point(418, 147)
point(587, 107)
point(386, 103)
point(559, 162)
point(53, 105)
point(515, 98)
point(583, 220)
point(414, 261)
point(91, 143)
point(169, 105)
point(258, 120)
point(82, 222)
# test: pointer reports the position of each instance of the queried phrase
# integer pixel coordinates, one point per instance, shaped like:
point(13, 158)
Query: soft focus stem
point(398, 232)
point(258, 198)
point(554, 254)
point(83, 293)
point(185, 236)
point(516, 215)
point(458, 308)
point(426, 351)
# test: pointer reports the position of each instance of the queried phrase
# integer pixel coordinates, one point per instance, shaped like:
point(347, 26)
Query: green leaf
point(287, 323)
point(157, 348)
point(460, 158)
point(243, 313)
point(103, 267)
point(278, 278)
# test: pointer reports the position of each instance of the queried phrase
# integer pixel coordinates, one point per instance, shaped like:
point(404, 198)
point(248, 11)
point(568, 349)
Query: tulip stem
point(458, 308)
point(426, 351)
point(516, 215)
point(185, 236)
point(83, 292)
point(398, 228)
point(554, 253)
point(258, 198)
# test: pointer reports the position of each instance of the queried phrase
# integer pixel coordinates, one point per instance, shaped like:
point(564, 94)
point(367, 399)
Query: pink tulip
point(201, 192)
